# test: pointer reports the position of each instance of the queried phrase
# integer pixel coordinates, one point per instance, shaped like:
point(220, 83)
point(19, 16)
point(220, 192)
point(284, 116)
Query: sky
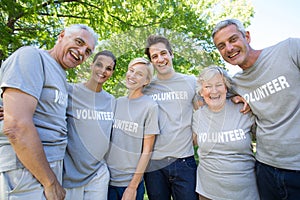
point(273, 21)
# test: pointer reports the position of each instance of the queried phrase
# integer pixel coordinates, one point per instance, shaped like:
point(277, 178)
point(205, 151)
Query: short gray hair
point(211, 71)
point(222, 24)
point(78, 27)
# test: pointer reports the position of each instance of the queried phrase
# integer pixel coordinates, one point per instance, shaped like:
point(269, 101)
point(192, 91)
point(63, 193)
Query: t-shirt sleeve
point(195, 122)
point(294, 49)
point(151, 123)
point(23, 70)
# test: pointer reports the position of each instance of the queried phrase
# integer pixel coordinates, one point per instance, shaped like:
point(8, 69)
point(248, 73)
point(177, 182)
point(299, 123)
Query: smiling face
point(102, 69)
point(161, 59)
point(214, 92)
point(136, 77)
point(72, 50)
point(233, 46)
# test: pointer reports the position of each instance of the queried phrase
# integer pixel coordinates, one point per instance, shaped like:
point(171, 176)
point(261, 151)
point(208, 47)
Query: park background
point(272, 22)
point(123, 27)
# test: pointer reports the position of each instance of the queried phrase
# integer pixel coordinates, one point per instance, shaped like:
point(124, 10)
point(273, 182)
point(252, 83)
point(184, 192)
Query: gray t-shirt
point(89, 117)
point(134, 118)
point(175, 98)
point(36, 73)
point(226, 161)
point(271, 86)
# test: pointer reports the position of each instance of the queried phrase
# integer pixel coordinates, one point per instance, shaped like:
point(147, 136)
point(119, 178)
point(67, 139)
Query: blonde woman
point(133, 134)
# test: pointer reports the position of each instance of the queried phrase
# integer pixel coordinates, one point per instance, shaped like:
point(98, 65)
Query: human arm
point(238, 99)
point(197, 104)
point(131, 190)
point(195, 143)
point(21, 132)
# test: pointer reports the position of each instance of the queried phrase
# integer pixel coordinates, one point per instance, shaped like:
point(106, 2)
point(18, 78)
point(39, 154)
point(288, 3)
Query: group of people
point(76, 141)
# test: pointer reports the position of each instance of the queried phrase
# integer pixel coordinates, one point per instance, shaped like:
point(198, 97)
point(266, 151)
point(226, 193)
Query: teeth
point(162, 65)
point(233, 55)
point(131, 81)
point(75, 56)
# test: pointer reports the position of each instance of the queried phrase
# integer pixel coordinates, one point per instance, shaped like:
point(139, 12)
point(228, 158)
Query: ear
point(147, 83)
point(200, 93)
point(172, 55)
point(61, 35)
point(247, 36)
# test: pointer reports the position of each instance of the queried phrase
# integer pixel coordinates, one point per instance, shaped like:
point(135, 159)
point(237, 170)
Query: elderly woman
point(226, 160)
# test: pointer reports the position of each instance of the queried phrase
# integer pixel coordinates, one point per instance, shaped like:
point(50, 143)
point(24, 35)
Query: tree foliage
point(123, 26)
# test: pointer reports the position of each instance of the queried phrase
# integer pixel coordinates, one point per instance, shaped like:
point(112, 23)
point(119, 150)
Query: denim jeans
point(274, 183)
point(116, 193)
point(177, 179)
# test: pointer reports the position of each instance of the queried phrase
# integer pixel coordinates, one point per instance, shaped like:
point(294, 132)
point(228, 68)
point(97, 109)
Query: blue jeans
point(177, 179)
point(274, 183)
point(116, 193)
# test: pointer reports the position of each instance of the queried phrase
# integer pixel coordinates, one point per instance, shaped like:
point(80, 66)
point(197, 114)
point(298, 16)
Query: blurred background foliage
point(123, 26)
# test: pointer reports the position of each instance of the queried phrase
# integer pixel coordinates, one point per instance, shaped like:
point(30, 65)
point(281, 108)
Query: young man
point(172, 170)
point(270, 83)
point(34, 92)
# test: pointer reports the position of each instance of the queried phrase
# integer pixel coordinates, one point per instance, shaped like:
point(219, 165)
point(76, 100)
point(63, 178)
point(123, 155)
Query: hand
point(129, 194)
point(55, 192)
point(238, 99)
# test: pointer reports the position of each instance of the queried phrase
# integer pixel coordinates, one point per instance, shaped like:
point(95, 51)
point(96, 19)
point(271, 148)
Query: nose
point(82, 53)
point(160, 58)
point(229, 46)
point(214, 89)
point(129, 74)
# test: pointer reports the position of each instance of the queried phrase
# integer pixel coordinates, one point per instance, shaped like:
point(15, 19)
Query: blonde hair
point(146, 62)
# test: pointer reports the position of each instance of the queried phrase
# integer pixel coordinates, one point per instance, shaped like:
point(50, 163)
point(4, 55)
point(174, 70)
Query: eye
point(88, 52)
point(109, 69)
point(221, 46)
point(79, 42)
point(140, 74)
point(153, 57)
point(98, 64)
point(234, 39)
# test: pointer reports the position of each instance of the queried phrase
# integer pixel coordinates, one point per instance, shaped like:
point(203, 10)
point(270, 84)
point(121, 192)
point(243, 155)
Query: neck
point(96, 87)
point(133, 94)
point(252, 58)
point(166, 76)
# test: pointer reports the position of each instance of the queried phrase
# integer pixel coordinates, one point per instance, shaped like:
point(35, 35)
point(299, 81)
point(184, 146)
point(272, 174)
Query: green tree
point(123, 26)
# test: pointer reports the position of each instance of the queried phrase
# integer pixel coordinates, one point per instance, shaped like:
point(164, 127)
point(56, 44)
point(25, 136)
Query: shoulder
point(186, 76)
point(108, 95)
point(148, 99)
point(29, 49)
point(235, 108)
point(23, 53)
point(287, 43)
point(121, 99)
